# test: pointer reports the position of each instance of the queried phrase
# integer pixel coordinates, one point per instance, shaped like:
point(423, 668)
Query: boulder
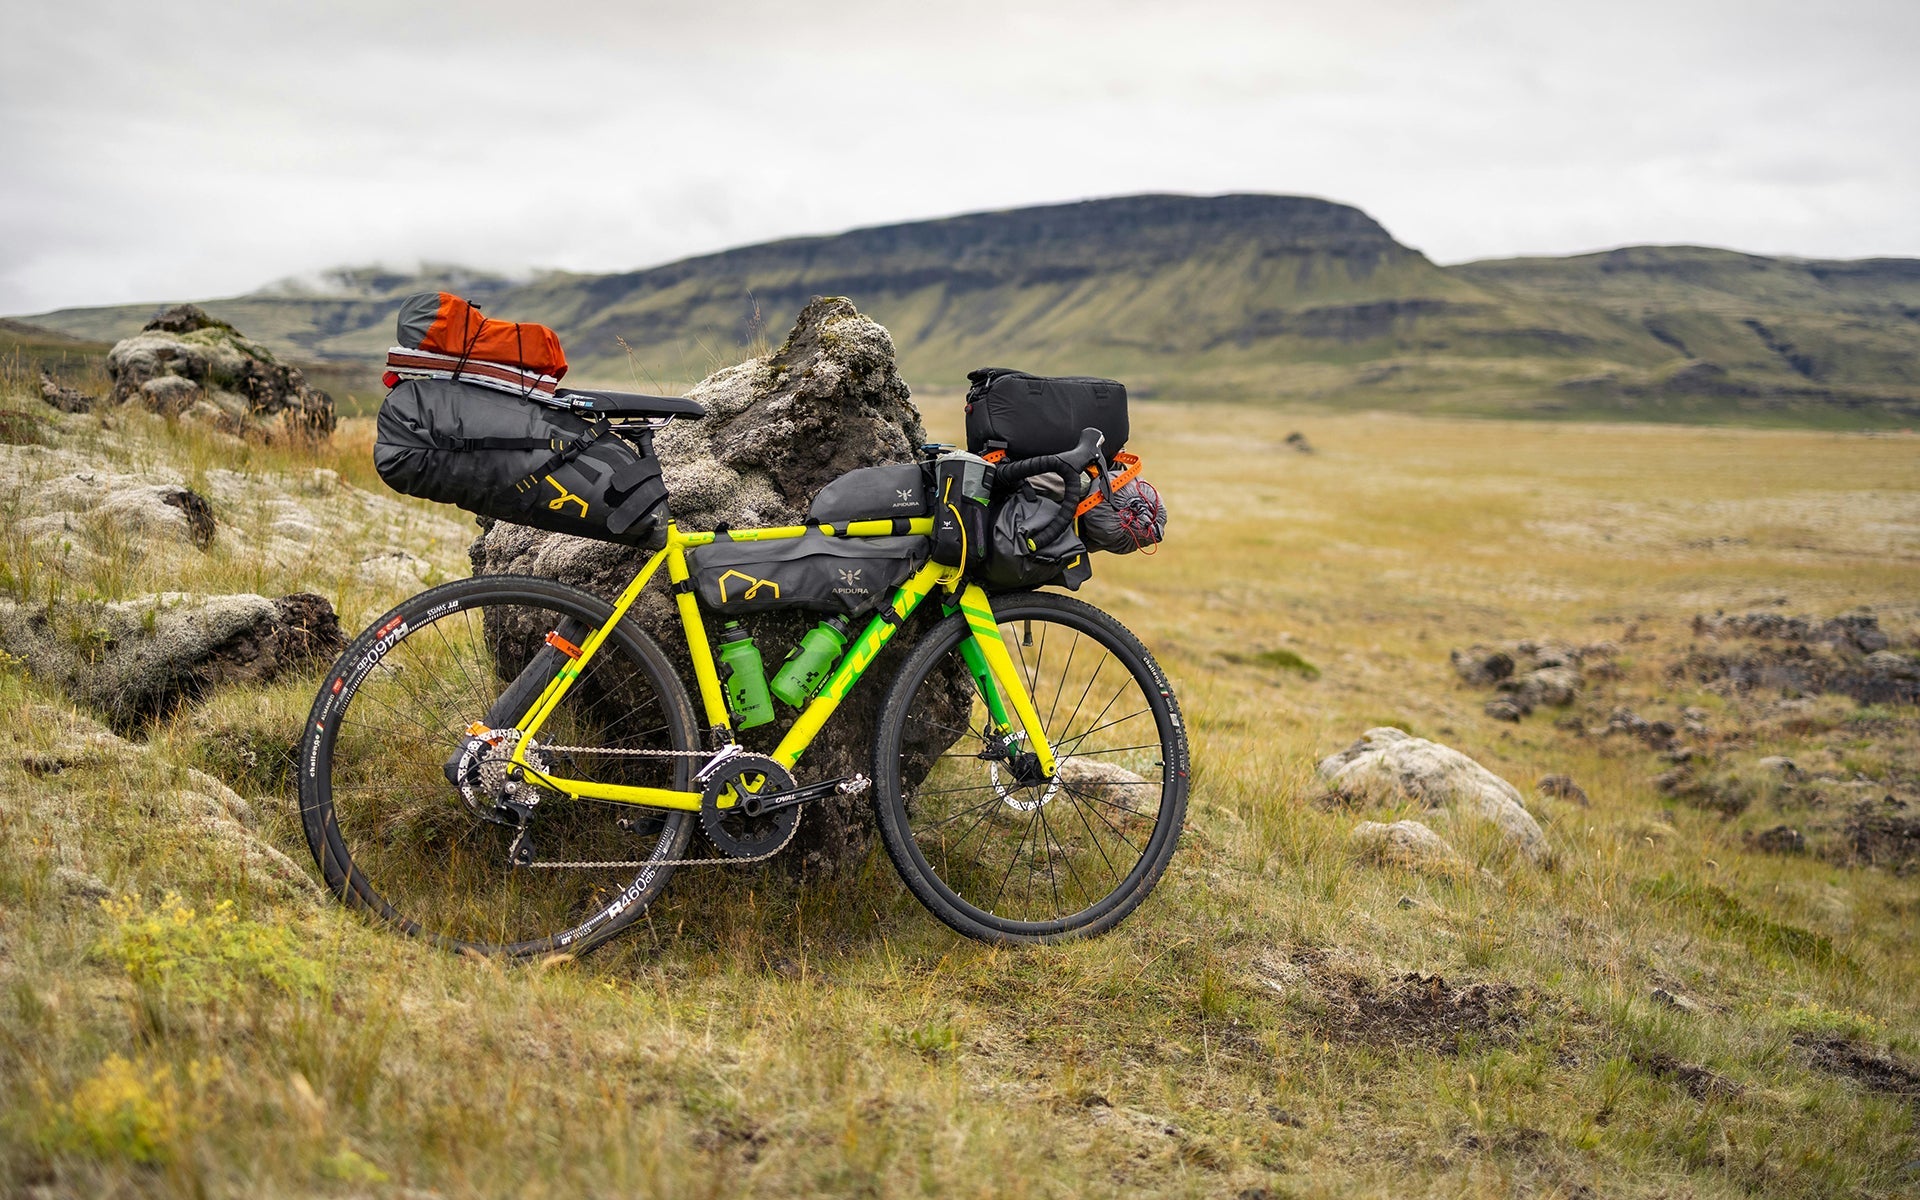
point(59, 395)
point(1405, 844)
point(1548, 687)
point(188, 365)
point(1387, 766)
point(1481, 666)
point(778, 428)
point(138, 658)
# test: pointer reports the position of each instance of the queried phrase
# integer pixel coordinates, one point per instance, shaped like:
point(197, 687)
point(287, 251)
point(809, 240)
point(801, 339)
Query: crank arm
point(852, 785)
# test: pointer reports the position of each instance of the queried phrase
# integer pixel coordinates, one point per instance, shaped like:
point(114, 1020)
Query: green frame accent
point(986, 655)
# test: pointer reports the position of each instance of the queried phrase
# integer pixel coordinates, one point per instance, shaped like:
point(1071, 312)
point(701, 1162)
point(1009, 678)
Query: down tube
point(859, 657)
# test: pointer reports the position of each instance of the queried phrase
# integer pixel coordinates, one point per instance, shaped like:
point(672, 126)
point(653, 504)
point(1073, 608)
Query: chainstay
point(671, 862)
point(676, 862)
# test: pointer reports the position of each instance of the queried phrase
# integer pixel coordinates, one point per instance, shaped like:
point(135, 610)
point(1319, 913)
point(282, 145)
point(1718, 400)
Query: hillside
point(1239, 297)
point(1707, 992)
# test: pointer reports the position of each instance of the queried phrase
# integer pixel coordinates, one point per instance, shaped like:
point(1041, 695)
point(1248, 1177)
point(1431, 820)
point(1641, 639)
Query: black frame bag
point(496, 455)
point(1031, 415)
point(814, 571)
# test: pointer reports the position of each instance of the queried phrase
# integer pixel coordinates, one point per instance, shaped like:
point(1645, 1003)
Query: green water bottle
point(811, 661)
point(745, 677)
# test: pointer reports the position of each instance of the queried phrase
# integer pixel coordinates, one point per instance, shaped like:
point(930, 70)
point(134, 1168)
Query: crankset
point(750, 805)
point(724, 818)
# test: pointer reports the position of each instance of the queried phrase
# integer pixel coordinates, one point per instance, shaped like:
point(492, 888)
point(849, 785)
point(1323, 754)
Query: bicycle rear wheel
point(413, 817)
point(996, 851)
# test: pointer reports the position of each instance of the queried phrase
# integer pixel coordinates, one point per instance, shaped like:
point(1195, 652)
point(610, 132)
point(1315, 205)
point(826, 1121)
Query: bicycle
point(508, 764)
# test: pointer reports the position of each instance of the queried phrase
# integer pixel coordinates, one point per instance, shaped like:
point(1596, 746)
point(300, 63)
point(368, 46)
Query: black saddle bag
point(815, 572)
point(1031, 415)
point(500, 456)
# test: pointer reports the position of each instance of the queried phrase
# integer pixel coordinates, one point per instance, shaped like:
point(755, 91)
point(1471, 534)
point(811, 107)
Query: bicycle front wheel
point(414, 816)
point(997, 851)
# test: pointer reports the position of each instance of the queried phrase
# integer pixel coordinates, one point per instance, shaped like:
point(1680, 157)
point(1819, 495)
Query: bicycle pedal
point(851, 785)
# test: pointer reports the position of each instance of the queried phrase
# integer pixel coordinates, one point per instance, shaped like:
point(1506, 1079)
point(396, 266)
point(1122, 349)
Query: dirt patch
point(1872, 1070)
point(1410, 1009)
point(1699, 1082)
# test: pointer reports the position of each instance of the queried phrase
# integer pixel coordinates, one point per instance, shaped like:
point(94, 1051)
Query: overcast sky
point(192, 149)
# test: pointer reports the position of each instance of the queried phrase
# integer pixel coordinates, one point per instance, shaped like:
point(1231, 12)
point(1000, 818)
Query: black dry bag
point(499, 456)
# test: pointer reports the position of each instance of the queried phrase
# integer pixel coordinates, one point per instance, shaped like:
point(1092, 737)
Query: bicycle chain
point(671, 862)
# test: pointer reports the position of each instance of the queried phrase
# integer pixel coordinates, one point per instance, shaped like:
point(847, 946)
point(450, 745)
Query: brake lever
point(1087, 452)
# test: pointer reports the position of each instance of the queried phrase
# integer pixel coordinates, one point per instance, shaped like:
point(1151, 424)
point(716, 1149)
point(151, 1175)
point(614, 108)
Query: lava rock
point(1781, 839)
point(188, 365)
point(1481, 666)
point(59, 395)
point(1562, 787)
point(778, 428)
point(1388, 766)
point(139, 658)
point(1405, 844)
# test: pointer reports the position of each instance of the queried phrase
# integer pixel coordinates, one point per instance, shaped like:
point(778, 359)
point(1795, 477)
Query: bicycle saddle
point(630, 404)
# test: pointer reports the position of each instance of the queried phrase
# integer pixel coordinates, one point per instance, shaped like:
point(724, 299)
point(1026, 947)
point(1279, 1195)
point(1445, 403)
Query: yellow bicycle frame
point(992, 666)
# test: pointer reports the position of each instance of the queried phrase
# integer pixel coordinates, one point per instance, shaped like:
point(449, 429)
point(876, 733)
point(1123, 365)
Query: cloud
point(203, 148)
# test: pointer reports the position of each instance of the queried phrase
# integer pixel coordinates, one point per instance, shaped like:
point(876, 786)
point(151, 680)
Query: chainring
point(733, 832)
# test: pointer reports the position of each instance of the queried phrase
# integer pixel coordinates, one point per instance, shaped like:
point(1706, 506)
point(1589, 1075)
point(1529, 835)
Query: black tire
point(957, 831)
point(392, 834)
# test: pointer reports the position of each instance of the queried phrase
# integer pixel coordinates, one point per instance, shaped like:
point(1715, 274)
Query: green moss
point(204, 956)
point(1286, 660)
point(1720, 910)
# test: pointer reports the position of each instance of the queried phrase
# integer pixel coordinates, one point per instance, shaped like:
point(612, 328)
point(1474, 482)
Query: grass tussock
point(1280, 1019)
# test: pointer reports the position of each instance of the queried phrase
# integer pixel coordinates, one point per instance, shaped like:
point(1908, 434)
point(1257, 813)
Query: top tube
point(879, 527)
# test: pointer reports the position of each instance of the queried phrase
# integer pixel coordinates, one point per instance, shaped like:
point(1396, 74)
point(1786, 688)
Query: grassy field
point(181, 1016)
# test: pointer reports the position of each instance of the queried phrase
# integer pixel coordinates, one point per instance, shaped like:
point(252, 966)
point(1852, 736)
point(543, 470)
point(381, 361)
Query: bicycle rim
point(1006, 857)
point(393, 833)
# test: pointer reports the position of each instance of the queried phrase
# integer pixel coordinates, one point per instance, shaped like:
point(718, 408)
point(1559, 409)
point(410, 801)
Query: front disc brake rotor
point(732, 831)
point(1022, 787)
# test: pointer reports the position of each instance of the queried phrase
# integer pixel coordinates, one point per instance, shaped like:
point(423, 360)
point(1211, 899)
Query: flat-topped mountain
point(1255, 297)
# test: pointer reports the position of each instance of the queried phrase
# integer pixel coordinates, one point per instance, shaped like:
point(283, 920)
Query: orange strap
point(1129, 465)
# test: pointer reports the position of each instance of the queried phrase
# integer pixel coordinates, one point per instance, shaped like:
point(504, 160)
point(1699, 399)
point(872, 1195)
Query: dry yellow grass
point(1250, 1031)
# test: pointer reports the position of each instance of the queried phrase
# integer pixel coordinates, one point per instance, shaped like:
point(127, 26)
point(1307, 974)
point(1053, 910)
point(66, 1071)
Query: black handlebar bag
point(1032, 415)
point(497, 455)
point(1016, 561)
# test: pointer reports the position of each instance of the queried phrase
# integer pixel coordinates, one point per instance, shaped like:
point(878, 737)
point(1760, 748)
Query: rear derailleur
point(495, 788)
